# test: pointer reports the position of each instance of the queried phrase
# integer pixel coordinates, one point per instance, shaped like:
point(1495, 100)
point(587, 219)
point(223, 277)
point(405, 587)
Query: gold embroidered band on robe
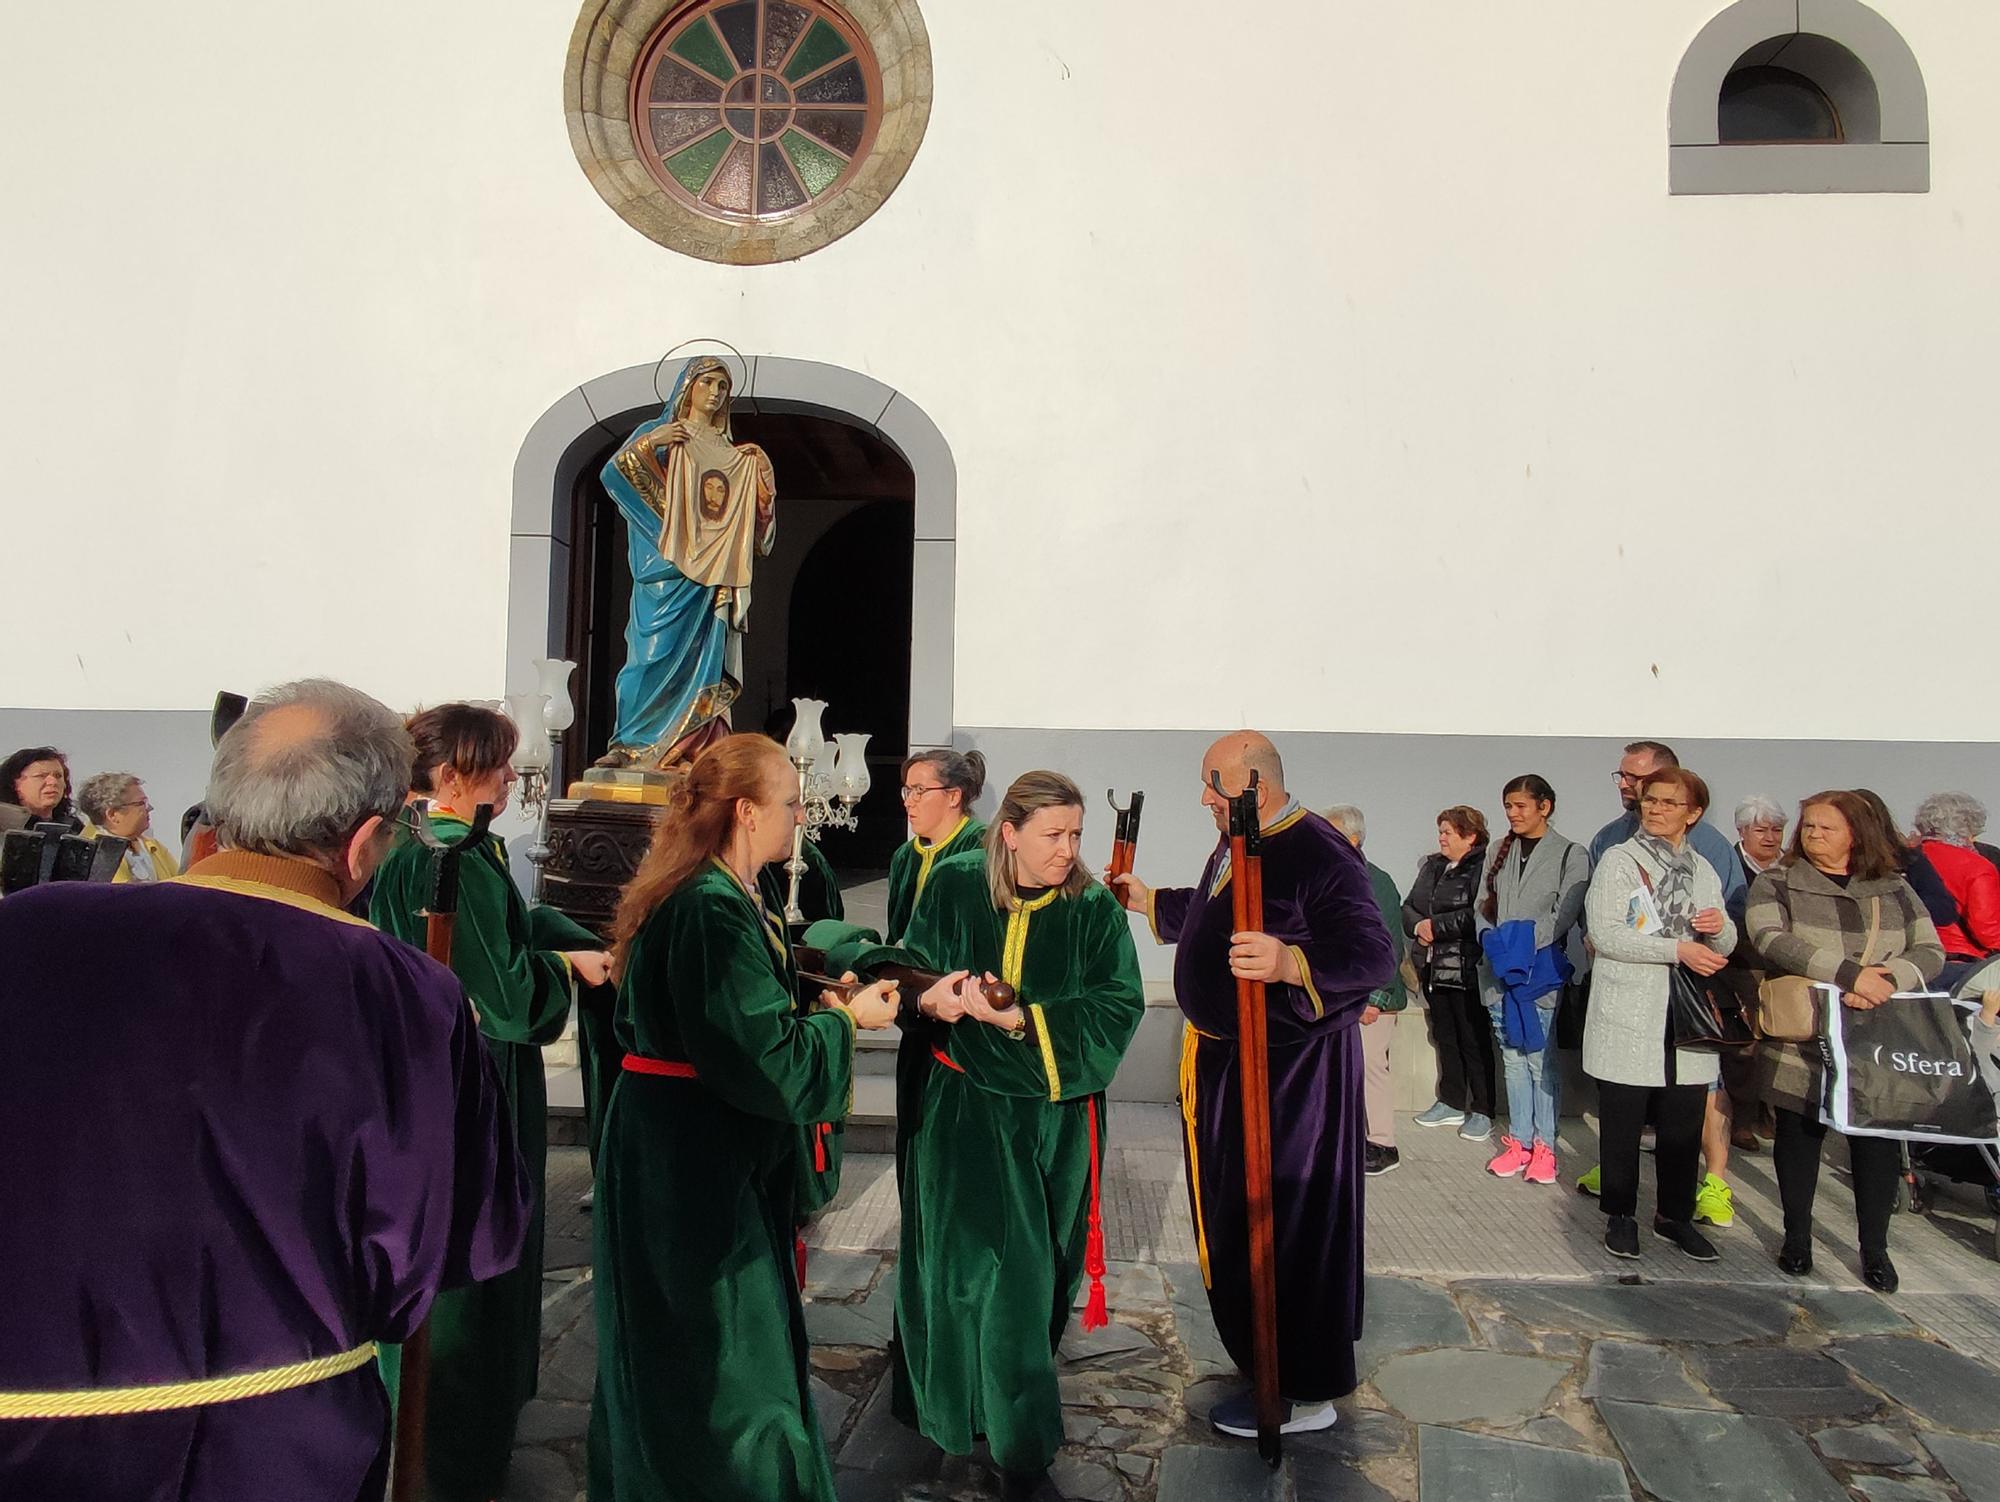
point(163, 1397)
point(1012, 955)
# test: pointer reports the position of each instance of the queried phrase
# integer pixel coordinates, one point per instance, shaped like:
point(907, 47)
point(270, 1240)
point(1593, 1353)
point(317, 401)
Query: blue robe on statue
point(683, 653)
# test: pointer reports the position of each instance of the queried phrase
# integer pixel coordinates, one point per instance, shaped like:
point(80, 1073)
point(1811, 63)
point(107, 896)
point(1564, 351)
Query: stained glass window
point(756, 109)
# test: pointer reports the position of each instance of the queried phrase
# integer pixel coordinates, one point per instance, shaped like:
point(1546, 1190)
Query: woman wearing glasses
point(1654, 903)
point(939, 788)
point(35, 780)
point(116, 803)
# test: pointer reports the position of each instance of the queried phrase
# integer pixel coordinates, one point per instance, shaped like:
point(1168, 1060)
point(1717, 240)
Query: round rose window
point(755, 110)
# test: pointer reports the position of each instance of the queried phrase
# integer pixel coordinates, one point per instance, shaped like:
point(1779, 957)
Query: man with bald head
point(1324, 951)
point(249, 1138)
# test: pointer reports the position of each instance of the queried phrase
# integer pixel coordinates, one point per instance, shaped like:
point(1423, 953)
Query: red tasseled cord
point(1095, 1313)
point(819, 1146)
point(799, 1251)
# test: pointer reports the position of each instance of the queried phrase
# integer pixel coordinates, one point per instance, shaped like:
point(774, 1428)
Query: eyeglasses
point(911, 792)
point(1663, 803)
point(142, 803)
point(1621, 778)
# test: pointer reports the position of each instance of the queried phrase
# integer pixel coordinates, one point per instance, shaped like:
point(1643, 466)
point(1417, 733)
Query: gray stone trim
point(605, 47)
point(1853, 53)
point(566, 437)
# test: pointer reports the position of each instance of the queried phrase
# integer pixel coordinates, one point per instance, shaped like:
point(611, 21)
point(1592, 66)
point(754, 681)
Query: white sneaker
point(1238, 1416)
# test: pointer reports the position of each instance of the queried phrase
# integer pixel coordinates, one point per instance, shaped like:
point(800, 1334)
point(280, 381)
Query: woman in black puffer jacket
point(1439, 917)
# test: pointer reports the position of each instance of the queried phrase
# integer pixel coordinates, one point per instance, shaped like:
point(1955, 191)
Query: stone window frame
point(604, 50)
point(1850, 51)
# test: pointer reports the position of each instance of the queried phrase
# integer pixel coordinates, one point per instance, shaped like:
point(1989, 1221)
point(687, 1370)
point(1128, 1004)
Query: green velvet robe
point(702, 1377)
point(911, 866)
point(486, 1338)
point(909, 871)
point(996, 1184)
point(825, 1141)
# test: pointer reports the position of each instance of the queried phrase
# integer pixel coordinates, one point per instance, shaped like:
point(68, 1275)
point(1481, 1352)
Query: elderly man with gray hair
point(1948, 824)
point(251, 1136)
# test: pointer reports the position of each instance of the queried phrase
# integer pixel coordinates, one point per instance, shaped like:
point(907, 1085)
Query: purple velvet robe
point(1317, 898)
point(242, 1131)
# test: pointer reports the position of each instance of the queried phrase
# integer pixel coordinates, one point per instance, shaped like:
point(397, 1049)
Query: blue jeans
point(1534, 1080)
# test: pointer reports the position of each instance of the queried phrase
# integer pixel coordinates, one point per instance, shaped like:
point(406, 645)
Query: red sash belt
point(638, 1063)
point(945, 1059)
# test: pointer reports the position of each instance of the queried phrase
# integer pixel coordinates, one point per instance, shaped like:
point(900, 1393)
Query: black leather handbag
point(1703, 1012)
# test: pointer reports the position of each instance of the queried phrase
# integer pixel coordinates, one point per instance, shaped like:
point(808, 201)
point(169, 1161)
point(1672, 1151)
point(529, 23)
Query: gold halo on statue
point(742, 363)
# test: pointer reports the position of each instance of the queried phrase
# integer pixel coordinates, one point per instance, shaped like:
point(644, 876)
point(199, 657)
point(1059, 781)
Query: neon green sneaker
point(1592, 1182)
point(1714, 1203)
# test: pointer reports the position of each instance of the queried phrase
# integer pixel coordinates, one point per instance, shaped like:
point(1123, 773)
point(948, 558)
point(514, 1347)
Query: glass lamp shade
point(806, 743)
point(552, 675)
point(850, 767)
point(528, 712)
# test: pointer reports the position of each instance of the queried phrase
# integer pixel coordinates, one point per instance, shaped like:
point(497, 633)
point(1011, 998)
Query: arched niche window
point(1799, 96)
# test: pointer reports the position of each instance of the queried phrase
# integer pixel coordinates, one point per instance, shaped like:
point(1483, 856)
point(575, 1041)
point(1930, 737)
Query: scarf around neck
point(1673, 894)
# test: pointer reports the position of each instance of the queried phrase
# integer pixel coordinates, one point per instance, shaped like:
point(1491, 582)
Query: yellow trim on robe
point(1222, 877)
point(1190, 1047)
point(1306, 980)
point(269, 893)
point(101, 1402)
point(1048, 1050)
point(1152, 915)
point(928, 853)
point(772, 932)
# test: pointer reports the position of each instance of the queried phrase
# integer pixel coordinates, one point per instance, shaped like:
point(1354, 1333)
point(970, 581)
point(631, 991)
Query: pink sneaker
point(1541, 1164)
point(1511, 1160)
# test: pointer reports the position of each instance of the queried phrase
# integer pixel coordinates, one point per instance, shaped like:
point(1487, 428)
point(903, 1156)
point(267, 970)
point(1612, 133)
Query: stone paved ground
point(1505, 1356)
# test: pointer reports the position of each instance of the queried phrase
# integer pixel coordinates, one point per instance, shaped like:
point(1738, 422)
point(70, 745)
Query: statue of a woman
point(699, 511)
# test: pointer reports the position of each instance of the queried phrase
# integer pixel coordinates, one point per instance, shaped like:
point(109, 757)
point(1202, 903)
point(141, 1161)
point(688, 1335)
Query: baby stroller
point(1958, 1163)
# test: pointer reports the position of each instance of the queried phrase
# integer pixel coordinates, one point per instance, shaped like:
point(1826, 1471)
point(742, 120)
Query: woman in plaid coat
point(1814, 916)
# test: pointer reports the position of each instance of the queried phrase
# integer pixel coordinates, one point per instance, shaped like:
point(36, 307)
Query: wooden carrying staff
point(1125, 839)
point(414, 1383)
point(911, 981)
point(1254, 1078)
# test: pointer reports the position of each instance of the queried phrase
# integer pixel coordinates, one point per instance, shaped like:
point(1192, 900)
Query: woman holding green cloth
point(1000, 1203)
point(517, 964)
point(702, 1376)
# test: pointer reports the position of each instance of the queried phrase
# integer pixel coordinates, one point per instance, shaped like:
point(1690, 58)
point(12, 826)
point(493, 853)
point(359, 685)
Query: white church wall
point(1382, 317)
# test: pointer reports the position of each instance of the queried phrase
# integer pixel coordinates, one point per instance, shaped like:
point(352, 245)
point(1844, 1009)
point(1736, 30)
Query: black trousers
point(1462, 1032)
point(1676, 1112)
point(1877, 1163)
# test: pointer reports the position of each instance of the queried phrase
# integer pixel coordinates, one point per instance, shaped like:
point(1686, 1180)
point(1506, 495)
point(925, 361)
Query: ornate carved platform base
point(595, 844)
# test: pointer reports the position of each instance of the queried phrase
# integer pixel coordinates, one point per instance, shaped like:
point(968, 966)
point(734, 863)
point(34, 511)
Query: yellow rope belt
point(98, 1402)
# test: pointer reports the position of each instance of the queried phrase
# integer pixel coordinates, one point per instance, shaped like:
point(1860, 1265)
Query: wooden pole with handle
point(1254, 1079)
point(406, 1483)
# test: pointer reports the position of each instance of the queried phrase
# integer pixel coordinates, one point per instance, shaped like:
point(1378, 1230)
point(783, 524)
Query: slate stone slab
point(1199, 1473)
point(840, 1275)
point(538, 1476)
point(1891, 1489)
point(1085, 1480)
point(1461, 1387)
point(1643, 1311)
point(1553, 1432)
point(1867, 1444)
point(542, 1421)
point(864, 1324)
point(1361, 1434)
point(1453, 1466)
point(1406, 1314)
point(1681, 1455)
point(879, 1443)
point(1932, 1381)
point(1193, 1324)
point(865, 1486)
point(1973, 1465)
point(832, 1405)
point(569, 1373)
point(1783, 1382)
point(1318, 1477)
point(1842, 1312)
point(1504, 1335)
point(1635, 1373)
point(1109, 1345)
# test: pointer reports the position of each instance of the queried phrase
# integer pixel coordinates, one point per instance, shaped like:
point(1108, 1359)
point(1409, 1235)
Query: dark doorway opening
point(830, 612)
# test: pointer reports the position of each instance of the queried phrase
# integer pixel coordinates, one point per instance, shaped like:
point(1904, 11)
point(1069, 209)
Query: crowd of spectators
point(1535, 944)
point(36, 790)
